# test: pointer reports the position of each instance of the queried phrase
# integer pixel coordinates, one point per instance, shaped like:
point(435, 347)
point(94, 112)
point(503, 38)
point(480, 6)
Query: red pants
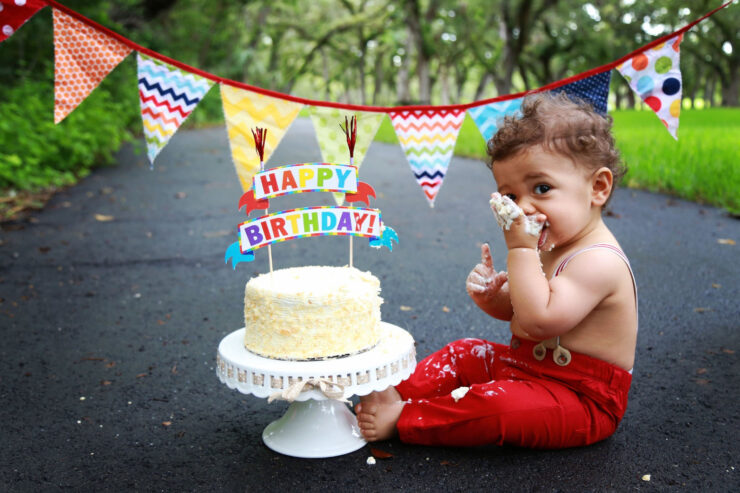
point(513, 398)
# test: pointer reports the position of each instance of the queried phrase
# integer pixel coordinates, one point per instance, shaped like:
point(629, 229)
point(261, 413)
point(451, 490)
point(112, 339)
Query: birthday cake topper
point(305, 222)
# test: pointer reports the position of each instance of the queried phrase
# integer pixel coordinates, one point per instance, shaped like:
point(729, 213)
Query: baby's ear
point(601, 186)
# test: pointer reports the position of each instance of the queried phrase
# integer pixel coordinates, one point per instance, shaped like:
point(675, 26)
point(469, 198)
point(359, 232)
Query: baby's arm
point(489, 289)
point(551, 308)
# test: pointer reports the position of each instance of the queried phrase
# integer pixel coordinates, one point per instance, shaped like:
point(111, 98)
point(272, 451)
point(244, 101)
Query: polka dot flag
point(14, 13)
point(594, 90)
point(655, 76)
point(83, 57)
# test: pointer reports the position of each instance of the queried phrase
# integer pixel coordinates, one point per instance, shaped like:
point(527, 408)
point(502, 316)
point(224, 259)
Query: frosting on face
point(506, 211)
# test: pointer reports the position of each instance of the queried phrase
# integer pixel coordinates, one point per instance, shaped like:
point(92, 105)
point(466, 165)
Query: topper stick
point(260, 138)
point(350, 131)
point(351, 161)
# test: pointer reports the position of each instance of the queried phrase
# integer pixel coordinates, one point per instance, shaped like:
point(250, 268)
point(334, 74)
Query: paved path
point(110, 328)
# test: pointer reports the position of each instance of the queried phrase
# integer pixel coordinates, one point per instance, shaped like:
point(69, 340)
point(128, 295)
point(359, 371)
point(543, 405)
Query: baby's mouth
point(543, 237)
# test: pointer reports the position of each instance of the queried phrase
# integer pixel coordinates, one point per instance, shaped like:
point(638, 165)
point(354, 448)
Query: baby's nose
point(526, 206)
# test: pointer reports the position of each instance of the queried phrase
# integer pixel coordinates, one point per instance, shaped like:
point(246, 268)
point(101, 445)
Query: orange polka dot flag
point(83, 57)
point(655, 76)
point(14, 13)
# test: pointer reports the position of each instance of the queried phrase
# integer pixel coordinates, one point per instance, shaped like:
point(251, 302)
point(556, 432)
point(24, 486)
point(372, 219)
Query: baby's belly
point(594, 343)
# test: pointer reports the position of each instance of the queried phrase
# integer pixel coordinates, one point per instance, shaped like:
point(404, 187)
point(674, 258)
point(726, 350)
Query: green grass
point(701, 166)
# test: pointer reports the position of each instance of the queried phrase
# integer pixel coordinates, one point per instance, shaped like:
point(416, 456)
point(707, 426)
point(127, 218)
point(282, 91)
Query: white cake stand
point(315, 426)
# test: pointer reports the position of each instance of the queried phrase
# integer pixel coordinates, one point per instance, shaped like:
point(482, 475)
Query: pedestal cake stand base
point(314, 429)
point(315, 426)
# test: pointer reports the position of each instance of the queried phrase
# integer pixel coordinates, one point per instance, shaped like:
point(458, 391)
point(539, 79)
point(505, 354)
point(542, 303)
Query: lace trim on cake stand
point(392, 360)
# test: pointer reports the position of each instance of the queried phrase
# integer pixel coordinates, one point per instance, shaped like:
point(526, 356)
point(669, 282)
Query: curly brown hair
point(560, 124)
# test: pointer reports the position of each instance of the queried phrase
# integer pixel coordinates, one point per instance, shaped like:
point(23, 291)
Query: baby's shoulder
point(600, 264)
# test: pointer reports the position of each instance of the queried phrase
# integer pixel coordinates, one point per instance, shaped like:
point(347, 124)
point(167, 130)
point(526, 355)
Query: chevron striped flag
point(428, 138)
point(487, 117)
point(167, 96)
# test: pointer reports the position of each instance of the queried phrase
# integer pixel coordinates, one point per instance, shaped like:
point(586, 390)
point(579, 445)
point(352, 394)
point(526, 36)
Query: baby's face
point(542, 182)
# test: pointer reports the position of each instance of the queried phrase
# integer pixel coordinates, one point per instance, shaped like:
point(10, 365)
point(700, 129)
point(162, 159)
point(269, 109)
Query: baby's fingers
point(500, 279)
point(485, 255)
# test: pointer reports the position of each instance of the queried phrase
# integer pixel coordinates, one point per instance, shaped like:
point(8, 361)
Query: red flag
point(15, 13)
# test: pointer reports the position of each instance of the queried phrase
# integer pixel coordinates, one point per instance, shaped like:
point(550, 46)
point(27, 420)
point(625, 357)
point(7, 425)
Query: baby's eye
point(511, 196)
point(541, 189)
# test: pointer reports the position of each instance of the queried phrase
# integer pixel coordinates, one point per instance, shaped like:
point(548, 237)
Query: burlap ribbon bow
point(331, 390)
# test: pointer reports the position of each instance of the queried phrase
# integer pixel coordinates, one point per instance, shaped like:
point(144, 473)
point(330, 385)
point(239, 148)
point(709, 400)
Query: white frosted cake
point(311, 312)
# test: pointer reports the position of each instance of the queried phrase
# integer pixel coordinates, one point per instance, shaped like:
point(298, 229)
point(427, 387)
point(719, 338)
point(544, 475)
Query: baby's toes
point(366, 420)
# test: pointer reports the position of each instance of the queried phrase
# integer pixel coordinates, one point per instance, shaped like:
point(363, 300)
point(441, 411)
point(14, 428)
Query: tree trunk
point(482, 86)
point(403, 94)
point(731, 91)
point(630, 96)
point(425, 82)
point(325, 67)
point(361, 69)
point(378, 82)
point(445, 81)
point(461, 77)
point(709, 91)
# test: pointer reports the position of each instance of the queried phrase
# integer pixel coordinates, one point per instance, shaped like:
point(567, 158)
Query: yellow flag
point(245, 110)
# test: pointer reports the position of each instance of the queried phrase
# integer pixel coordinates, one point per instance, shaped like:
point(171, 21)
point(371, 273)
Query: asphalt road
point(114, 298)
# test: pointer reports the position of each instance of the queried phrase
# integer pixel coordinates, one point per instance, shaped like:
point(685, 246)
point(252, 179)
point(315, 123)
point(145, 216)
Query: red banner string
point(377, 109)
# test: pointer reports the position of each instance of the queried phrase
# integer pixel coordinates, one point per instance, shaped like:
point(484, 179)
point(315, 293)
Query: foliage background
point(378, 52)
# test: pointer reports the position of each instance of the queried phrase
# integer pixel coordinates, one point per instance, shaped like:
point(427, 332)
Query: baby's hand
point(520, 234)
point(483, 282)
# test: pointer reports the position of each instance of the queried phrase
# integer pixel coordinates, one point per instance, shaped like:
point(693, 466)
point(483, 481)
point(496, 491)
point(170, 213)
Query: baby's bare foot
point(386, 396)
point(377, 421)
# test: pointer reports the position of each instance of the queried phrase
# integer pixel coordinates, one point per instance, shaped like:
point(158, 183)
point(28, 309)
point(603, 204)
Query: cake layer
point(311, 312)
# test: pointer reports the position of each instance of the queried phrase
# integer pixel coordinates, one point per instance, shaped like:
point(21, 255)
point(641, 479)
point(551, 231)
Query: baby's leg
point(460, 363)
point(526, 413)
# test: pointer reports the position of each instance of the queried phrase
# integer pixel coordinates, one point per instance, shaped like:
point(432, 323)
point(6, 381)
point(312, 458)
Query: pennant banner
point(244, 110)
point(309, 221)
point(83, 57)
point(332, 142)
point(487, 117)
point(655, 75)
point(167, 96)
point(593, 89)
point(85, 53)
point(428, 138)
point(15, 13)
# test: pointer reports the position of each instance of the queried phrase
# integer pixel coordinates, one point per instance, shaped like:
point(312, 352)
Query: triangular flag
point(428, 138)
point(167, 96)
point(83, 57)
point(332, 139)
point(244, 110)
point(487, 117)
point(13, 14)
point(655, 75)
point(593, 89)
